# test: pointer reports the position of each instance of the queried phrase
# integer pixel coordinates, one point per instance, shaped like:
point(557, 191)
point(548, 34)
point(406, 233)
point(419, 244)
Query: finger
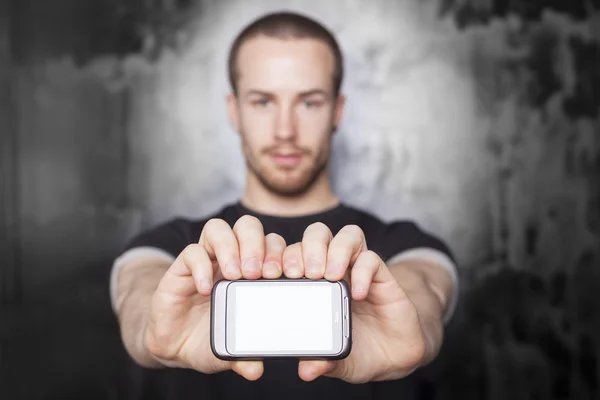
point(343, 251)
point(193, 262)
point(315, 243)
point(251, 238)
point(292, 261)
point(309, 370)
point(221, 244)
point(251, 370)
point(367, 268)
point(273, 263)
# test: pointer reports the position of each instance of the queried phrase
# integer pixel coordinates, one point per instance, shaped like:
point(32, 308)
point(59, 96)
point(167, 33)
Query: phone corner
point(345, 286)
point(215, 351)
point(222, 357)
point(219, 282)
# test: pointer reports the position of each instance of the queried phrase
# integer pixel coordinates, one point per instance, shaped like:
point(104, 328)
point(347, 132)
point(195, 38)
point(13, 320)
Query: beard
point(299, 182)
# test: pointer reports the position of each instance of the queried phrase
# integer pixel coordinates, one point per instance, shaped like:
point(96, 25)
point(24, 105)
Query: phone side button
point(346, 318)
point(345, 327)
point(346, 307)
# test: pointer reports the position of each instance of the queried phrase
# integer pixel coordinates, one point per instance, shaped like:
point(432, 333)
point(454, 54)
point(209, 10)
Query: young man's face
point(285, 111)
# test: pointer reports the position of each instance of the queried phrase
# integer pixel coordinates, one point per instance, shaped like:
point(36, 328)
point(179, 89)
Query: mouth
point(286, 160)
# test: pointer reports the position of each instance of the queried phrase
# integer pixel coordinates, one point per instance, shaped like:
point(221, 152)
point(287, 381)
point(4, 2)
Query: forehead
point(273, 64)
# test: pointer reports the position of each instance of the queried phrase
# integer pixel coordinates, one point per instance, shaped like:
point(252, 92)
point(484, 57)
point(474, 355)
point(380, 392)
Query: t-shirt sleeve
point(164, 241)
point(406, 240)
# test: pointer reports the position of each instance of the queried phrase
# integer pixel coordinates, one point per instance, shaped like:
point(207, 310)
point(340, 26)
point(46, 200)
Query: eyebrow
point(307, 93)
point(314, 92)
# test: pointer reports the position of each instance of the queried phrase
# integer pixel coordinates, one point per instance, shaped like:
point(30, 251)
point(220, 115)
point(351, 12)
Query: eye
point(311, 103)
point(261, 103)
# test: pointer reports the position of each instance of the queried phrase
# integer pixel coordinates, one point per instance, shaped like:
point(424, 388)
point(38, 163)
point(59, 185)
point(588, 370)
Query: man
point(285, 71)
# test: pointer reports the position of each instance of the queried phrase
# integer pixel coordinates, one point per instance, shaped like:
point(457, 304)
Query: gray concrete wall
point(8, 139)
point(480, 122)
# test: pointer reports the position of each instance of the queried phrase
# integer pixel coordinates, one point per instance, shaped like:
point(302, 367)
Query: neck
point(318, 198)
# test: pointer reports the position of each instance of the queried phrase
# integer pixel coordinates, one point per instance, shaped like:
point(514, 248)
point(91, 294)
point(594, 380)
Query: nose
point(286, 123)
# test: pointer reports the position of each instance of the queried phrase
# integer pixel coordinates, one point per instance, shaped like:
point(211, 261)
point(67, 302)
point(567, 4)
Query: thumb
point(309, 370)
point(251, 370)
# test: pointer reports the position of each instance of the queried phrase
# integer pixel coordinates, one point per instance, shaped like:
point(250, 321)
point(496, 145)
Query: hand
point(178, 328)
point(388, 342)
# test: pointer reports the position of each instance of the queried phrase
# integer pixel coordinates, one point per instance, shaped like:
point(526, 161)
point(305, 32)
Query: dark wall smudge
point(529, 318)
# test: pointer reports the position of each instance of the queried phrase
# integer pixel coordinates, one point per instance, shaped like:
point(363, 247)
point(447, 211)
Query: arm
point(134, 277)
point(136, 283)
point(431, 288)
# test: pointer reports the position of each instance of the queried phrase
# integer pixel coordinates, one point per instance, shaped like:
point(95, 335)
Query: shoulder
point(390, 238)
point(368, 222)
point(174, 234)
point(375, 227)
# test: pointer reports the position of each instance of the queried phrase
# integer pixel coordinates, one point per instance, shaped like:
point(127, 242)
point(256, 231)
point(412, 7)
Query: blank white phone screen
point(283, 318)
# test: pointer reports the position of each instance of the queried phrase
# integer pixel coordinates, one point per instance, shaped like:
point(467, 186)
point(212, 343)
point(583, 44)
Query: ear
point(233, 111)
point(339, 111)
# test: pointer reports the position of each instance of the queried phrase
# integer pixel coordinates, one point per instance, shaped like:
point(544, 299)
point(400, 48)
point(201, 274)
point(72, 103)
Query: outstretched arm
point(430, 287)
point(136, 284)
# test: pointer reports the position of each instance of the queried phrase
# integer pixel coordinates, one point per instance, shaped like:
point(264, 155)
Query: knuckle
point(248, 228)
point(318, 231)
point(372, 257)
point(190, 251)
point(318, 227)
point(246, 221)
point(371, 260)
point(213, 227)
point(292, 250)
point(215, 223)
point(353, 230)
point(192, 247)
point(295, 246)
point(275, 240)
point(316, 250)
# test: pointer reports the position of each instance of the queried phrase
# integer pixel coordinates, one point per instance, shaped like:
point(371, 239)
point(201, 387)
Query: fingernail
point(334, 268)
point(272, 267)
point(313, 266)
point(233, 267)
point(293, 268)
point(252, 265)
point(205, 284)
point(358, 288)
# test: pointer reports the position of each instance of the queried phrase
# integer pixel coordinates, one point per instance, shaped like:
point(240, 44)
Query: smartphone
point(281, 318)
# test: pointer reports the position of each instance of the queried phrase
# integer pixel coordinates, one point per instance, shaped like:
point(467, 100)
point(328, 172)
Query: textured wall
point(143, 132)
point(412, 143)
point(479, 119)
point(7, 163)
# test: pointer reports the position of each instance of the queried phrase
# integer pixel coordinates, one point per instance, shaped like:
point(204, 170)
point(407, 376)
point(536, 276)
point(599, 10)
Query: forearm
point(137, 283)
point(429, 288)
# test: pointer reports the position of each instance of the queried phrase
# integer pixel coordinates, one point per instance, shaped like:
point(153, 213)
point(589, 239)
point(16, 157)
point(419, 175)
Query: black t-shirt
point(280, 379)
